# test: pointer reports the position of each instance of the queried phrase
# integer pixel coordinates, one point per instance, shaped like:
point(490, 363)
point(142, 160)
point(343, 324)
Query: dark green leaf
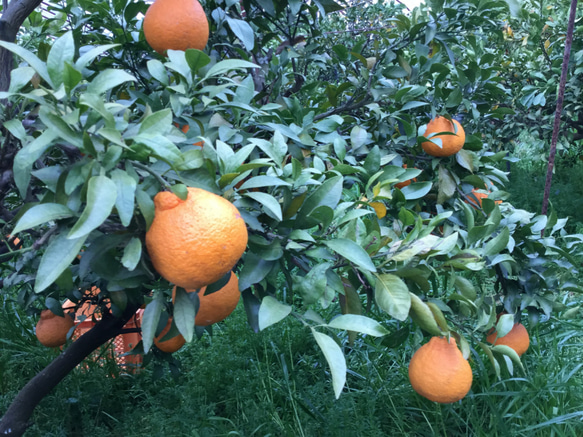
point(59, 254)
point(101, 196)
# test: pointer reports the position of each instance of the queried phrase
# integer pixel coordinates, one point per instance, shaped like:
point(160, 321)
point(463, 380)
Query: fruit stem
point(160, 179)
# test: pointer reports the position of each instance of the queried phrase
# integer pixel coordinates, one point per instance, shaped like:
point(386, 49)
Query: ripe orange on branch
point(217, 306)
point(51, 329)
point(518, 339)
point(439, 372)
point(450, 144)
point(176, 25)
point(405, 183)
point(194, 242)
point(172, 344)
point(479, 196)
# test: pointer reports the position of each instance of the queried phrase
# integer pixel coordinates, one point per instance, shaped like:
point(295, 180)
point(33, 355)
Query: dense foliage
point(308, 112)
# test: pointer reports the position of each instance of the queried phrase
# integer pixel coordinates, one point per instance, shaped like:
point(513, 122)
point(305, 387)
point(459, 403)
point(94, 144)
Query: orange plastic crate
point(121, 344)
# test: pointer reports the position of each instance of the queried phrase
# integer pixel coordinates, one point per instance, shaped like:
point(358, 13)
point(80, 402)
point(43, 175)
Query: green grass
point(276, 383)
point(527, 182)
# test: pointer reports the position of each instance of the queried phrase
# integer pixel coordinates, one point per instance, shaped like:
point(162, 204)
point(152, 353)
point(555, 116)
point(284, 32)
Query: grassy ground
point(238, 383)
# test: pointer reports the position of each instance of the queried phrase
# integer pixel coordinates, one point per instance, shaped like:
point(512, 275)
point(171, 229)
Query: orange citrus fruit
point(405, 183)
point(450, 144)
point(479, 196)
point(176, 25)
point(172, 344)
point(216, 307)
point(51, 330)
point(185, 129)
point(439, 372)
point(194, 242)
point(518, 339)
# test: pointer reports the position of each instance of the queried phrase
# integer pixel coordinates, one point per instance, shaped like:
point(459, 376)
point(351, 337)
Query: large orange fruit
point(172, 344)
point(194, 242)
point(51, 330)
point(439, 372)
point(176, 25)
point(217, 306)
point(518, 339)
point(450, 144)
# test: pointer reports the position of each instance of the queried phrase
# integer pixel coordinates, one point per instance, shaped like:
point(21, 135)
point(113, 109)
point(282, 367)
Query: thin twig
point(160, 179)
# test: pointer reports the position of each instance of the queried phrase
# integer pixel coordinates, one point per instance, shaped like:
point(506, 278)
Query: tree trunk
point(16, 419)
point(12, 18)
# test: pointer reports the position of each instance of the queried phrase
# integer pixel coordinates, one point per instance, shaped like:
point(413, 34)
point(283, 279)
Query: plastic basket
point(120, 345)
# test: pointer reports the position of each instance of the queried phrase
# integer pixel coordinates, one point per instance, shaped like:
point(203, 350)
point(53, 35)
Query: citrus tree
point(356, 143)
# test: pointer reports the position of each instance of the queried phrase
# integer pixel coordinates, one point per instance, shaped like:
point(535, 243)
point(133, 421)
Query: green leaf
point(157, 123)
point(465, 159)
point(196, 59)
point(353, 322)
point(59, 254)
point(60, 126)
point(335, 359)
point(423, 316)
point(109, 79)
point(509, 352)
point(352, 252)
point(31, 59)
point(271, 205)
point(392, 296)
point(19, 78)
point(327, 194)
point(126, 194)
point(228, 65)
point(161, 147)
point(27, 156)
point(92, 54)
point(264, 181)
point(498, 243)
point(184, 314)
point(42, 213)
point(61, 53)
point(146, 205)
point(272, 311)
point(312, 287)
point(465, 287)
point(157, 70)
point(243, 31)
point(101, 196)
point(132, 254)
point(416, 190)
point(446, 185)
point(504, 325)
point(71, 77)
point(150, 321)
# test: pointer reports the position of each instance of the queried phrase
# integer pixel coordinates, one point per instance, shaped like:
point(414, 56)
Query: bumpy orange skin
point(439, 372)
point(172, 344)
point(176, 25)
point(451, 144)
point(217, 306)
point(194, 242)
point(518, 339)
point(479, 196)
point(51, 330)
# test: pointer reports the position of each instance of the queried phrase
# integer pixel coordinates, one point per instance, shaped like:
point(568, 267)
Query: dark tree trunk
point(12, 18)
point(17, 418)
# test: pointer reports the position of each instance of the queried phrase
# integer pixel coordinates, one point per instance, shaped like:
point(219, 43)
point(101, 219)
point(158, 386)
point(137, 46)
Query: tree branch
point(16, 419)
point(13, 15)
point(560, 97)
